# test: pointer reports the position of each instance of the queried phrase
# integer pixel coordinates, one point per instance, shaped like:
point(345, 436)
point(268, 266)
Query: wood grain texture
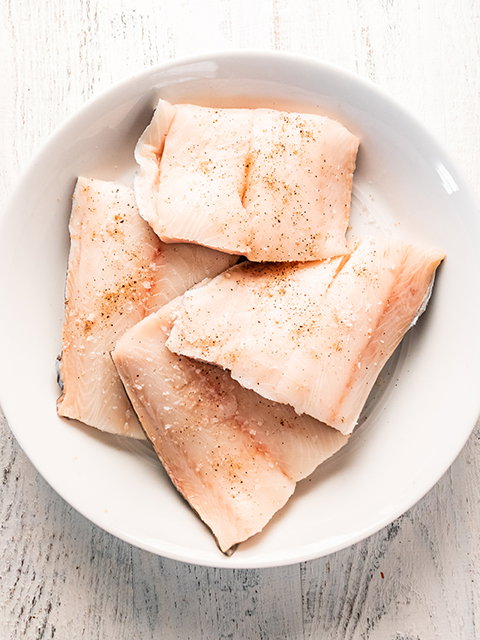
point(60, 576)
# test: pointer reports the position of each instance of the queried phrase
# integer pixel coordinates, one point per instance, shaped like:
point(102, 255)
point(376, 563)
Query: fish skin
point(118, 272)
point(267, 184)
point(313, 335)
point(232, 454)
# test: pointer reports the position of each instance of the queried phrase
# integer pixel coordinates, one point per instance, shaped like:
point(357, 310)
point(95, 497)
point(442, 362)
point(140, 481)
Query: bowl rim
point(307, 552)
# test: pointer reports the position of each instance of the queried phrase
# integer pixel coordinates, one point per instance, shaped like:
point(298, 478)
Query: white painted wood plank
point(61, 577)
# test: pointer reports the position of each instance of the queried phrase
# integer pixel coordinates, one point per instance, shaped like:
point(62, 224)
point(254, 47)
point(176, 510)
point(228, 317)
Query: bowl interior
point(423, 407)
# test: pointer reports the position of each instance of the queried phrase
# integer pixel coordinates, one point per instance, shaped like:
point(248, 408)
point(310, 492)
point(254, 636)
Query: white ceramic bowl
point(422, 411)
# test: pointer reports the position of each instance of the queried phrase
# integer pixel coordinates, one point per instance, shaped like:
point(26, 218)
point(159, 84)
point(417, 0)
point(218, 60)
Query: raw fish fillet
point(232, 454)
point(118, 272)
point(266, 184)
point(312, 335)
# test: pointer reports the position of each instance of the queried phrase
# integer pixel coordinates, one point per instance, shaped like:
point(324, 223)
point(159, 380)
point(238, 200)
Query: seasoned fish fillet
point(233, 455)
point(312, 335)
point(118, 272)
point(266, 184)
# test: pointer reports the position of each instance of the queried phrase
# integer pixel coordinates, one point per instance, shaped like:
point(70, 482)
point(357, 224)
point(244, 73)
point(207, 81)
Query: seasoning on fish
point(233, 455)
point(312, 335)
point(267, 184)
point(118, 272)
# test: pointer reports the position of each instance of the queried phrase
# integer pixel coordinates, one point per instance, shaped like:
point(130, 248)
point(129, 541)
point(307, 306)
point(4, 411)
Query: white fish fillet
point(266, 184)
point(313, 335)
point(118, 272)
point(233, 455)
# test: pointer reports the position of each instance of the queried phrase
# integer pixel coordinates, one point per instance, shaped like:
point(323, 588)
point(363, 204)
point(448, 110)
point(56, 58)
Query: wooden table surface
point(62, 577)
